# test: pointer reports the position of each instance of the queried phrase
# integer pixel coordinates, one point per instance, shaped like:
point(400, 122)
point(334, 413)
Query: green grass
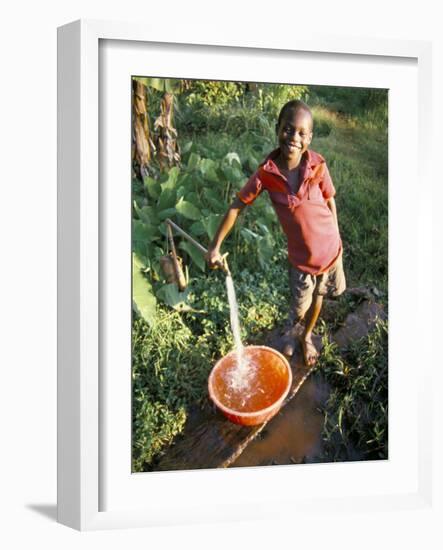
point(355, 426)
point(172, 358)
point(357, 160)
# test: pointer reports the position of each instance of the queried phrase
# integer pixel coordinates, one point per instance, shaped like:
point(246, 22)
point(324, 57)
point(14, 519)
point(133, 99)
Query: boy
point(302, 194)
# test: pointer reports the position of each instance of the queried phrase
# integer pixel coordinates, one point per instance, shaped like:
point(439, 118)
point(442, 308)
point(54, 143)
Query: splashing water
point(240, 376)
point(235, 324)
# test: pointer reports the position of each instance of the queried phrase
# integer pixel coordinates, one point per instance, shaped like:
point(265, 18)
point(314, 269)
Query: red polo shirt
point(313, 239)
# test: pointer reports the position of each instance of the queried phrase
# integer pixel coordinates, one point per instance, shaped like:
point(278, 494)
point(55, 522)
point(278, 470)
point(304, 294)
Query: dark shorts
point(304, 286)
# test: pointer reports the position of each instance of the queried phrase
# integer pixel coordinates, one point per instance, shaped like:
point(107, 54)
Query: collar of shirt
point(307, 165)
point(310, 161)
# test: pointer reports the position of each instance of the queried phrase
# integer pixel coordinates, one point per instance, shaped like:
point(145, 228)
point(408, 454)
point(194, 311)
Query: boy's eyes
point(288, 130)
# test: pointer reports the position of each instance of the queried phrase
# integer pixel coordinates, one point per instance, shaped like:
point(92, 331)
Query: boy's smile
point(294, 136)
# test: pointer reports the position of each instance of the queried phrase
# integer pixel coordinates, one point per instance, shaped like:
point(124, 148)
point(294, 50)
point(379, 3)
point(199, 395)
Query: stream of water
point(240, 376)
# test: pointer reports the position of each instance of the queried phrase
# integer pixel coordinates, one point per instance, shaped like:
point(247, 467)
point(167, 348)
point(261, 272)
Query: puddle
point(294, 435)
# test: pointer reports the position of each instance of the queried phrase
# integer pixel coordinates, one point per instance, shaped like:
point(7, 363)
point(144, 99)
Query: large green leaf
point(197, 229)
point(253, 162)
point(186, 147)
point(238, 175)
point(264, 228)
point(152, 186)
point(168, 194)
point(196, 255)
point(167, 198)
point(170, 294)
point(193, 161)
point(231, 167)
point(143, 251)
point(143, 232)
point(142, 237)
point(147, 214)
point(137, 210)
point(143, 299)
point(168, 213)
point(249, 235)
point(211, 224)
point(227, 172)
point(208, 168)
point(193, 198)
point(168, 180)
point(185, 180)
point(232, 159)
point(173, 174)
point(215, 201)
point(188, 210)
point(265, 250)
point(232, 173)
point(181, 192)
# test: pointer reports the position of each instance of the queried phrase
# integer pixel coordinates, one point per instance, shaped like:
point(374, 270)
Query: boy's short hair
point(294, 105)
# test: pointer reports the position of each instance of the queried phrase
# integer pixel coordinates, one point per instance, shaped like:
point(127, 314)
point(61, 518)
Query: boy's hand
point(213, 258)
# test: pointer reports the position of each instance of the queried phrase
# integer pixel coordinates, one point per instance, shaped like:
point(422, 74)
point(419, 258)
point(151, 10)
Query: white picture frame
point(85, 402)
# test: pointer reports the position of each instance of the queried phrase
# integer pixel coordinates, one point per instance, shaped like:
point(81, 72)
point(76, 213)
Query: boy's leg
point(310, 352)
point(302, 287)
point(332, 283)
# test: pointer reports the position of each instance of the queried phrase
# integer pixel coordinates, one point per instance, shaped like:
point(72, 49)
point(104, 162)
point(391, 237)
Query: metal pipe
point(186, 236)
point(223, 265)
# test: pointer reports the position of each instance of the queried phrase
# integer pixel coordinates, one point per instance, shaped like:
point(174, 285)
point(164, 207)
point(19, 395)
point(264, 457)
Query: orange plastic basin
point(258, 394)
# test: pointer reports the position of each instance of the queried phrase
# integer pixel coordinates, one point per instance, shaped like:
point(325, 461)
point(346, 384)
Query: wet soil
point(294, 435)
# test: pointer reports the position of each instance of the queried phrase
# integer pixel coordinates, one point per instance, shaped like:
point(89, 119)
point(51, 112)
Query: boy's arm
point(213, 256)
point(332, 207)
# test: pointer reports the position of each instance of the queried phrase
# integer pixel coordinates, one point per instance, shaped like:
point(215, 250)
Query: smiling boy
point(302, 194)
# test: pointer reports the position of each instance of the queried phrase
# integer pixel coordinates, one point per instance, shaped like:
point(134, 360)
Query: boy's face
point(294, 134)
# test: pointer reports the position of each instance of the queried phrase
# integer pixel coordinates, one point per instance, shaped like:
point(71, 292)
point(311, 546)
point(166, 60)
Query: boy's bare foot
point(310, 353)
point(289, 348)
point(291, 334)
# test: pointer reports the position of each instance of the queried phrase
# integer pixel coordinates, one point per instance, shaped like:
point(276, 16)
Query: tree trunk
point(142, 145)
point(168, 152)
